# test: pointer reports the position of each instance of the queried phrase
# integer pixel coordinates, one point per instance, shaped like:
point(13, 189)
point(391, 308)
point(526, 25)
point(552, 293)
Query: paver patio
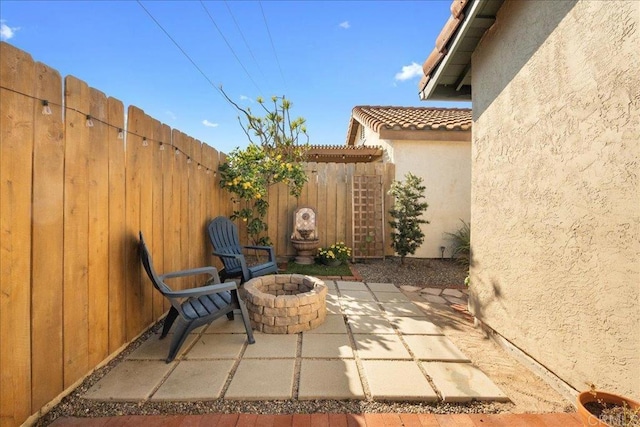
point(375, 344)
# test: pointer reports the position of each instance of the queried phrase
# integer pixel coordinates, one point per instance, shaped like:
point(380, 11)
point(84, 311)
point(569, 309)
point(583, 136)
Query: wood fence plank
point(321, 209)
point(46, 287)
point(98, 248)
point(134, 162)
point(167, 155)
point(145, 129)
point(76, 231)
point(183, 193)
point(16, 145)
point(341, 204)
point(332, 206)
point(117, 227)
point(156, 182)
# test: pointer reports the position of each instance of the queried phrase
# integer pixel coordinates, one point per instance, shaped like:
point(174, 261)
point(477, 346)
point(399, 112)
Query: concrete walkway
point(374, 345)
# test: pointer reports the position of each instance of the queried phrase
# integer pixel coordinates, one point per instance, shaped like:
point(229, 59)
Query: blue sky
point(326, 57)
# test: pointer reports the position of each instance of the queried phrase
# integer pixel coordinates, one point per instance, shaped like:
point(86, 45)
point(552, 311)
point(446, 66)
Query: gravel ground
point(436, 273)
point(416, 272)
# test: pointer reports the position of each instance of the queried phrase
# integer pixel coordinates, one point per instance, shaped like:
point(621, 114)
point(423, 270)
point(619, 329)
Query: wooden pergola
point(344, 154)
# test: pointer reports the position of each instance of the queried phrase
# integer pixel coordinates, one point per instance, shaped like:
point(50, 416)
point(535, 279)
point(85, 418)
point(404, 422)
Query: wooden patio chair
point(196, 306)
point(223, 234)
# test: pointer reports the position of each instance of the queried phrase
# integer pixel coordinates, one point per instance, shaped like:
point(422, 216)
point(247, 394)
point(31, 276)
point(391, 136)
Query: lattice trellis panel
point(368, 217)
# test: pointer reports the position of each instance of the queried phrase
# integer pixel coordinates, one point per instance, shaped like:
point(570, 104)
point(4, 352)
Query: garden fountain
point(305, 235)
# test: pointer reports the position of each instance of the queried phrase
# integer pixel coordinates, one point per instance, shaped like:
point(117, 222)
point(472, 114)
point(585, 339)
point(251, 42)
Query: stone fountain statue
point(305, 235)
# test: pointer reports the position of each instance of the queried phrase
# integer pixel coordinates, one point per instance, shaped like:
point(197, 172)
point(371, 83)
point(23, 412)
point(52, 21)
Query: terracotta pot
point(588, 419)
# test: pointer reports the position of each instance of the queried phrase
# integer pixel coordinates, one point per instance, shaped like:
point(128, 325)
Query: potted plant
point(335, 254)
point(599, 408)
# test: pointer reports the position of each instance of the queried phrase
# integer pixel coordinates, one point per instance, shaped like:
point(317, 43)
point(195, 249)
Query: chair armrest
point(240, 258)
point(204, 290)
point(272, 255)
point(212, 271)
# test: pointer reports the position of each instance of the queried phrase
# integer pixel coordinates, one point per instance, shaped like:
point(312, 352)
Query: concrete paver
point(363, 295)
point(391, 297)
point(260, 379)
point(431, 291)
point(397, 380)
point(195, 380)
point(272, 346)
point(130, 380)
point(352, 286)
point(383, 287)
point(331, 346)
point(461, 382)
point(226, 326)
point(414, 326)
point(434, 347)
point(370, 325)
point(217, 346)
point(452, 293)
point(333, 306)
point(362, 308)
point(155, 348)
point(374, 346)
point(330, 379)
point(333, 324)
point(408, 309)
point(435, 299)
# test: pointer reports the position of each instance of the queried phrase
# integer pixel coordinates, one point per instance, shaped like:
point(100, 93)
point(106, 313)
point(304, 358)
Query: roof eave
point(435, 89)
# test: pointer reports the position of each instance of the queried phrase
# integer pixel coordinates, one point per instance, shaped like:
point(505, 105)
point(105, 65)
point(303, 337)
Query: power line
point(229, 46)
point(271, 40)
point(182, 50)
point(244, 39)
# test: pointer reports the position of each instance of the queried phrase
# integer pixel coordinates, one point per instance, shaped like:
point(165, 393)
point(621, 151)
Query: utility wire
point(271, 40)
point(244, 39)
point(229, 46)
point(182, 50)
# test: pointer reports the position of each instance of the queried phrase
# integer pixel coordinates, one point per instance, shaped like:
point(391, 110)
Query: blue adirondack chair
point(196, 306)
point(226, 245)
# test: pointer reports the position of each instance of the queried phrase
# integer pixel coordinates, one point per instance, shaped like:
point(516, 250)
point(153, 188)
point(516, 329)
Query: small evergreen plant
point(406, 234)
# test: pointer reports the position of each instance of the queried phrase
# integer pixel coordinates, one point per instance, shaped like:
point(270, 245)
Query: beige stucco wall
point(555, 193)
point(445, 167)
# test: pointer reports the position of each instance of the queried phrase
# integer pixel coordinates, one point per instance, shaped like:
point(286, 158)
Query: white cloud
point(345, 25)
point(246, 98)
point(7, 32)
point(171, 114)
point(409, 71)
point(208, 124)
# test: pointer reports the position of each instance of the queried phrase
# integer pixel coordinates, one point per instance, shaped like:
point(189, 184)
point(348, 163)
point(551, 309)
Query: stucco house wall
point(445, 167)
point(555, 194)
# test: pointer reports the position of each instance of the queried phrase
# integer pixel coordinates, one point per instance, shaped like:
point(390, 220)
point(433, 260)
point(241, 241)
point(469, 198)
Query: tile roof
point(413, 118)
point(447, 69)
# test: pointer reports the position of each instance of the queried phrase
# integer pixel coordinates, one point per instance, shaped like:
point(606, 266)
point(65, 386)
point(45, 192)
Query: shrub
point(462, 243)
point(406, 235)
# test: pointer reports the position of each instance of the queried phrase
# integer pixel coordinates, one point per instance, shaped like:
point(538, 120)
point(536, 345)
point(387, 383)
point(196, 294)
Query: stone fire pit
point(285, 303)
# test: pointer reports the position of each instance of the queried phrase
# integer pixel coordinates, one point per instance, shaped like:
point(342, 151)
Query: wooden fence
point(329, 192)
point(72, 200)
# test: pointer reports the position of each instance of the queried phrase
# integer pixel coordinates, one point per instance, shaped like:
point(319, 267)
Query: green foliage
point(274, 155)
point(338, 251)
point(462, 243)
point(406, 235)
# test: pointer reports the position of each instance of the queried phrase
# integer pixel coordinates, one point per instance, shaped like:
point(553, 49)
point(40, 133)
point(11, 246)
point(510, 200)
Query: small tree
point(274, 155)
point(406, 235)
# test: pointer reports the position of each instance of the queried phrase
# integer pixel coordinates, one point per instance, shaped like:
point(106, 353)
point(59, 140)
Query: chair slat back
point(148, 266)
point(224, 237)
